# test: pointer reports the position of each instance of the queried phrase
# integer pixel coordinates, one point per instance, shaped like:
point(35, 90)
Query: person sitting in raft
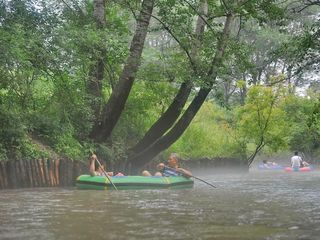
point(296, 160)
point(304, 164)
point(172, 169)
point(96, 169)
point(269, 164)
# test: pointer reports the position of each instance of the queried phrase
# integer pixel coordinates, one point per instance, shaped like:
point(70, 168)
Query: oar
point(106, 174)
point(193, 177)
point(204, 181)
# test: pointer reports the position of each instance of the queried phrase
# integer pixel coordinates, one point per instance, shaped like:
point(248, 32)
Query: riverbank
point(39, 173)
point(63, 172)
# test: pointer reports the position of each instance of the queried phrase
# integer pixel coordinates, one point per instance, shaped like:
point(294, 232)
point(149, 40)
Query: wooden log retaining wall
point(40, 173)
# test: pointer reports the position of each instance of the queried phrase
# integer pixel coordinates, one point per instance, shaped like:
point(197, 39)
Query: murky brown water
point(257, 205)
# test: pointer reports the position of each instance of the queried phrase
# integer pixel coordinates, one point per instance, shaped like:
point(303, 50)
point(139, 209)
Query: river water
point(244, 206)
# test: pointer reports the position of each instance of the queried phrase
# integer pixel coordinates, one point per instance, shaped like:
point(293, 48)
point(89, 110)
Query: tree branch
point(178, 41)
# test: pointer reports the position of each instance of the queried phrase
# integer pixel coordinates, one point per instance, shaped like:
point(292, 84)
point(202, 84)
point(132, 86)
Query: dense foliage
point(264, 85)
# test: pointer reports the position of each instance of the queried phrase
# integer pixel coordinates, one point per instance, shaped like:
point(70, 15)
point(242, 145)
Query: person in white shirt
point(296, 161)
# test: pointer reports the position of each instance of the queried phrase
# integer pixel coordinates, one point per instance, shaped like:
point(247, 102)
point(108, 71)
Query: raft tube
point(272, 167)
point(303, 169)
point(133, 182)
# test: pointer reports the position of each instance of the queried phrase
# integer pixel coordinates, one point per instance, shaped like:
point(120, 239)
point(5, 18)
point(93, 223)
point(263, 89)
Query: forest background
point(135, 80)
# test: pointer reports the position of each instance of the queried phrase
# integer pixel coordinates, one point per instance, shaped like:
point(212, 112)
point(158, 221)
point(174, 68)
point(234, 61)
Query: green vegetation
point(225, 87)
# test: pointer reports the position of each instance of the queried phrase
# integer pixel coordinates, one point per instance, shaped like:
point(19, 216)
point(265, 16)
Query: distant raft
point(271, 167)
point(303, 169)
point(133, 182)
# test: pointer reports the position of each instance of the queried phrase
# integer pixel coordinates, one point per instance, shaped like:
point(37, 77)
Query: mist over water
point(245, 205)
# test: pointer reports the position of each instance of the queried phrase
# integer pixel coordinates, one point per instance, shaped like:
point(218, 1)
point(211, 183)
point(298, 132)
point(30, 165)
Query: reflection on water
point(255, 205)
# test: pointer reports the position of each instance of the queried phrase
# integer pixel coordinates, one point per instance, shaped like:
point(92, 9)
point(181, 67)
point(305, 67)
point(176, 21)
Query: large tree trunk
point(96, 73)
point(119, 96)
point(99, 7)
point(166, 120)
point(170, 116)
point(168, 139)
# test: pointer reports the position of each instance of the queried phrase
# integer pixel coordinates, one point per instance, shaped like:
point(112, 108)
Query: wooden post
point(46, 173)
point(6, 181)
point(53, 172)
point(49, 172)
point(38, 175)
point(24, 182)
point(1, 177)
point(34, 173)
point(68, 172)
point(57, 163)
point(28, 173)
point(40, 164)
point(61, 164)
point(17, 173)
point(12, 175)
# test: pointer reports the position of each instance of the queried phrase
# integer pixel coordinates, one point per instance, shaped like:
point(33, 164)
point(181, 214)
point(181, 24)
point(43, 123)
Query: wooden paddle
point(192, 177)
point(105, 173)
point(204, 181)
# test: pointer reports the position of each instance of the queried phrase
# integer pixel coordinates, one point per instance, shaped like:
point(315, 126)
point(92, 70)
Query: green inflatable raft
point(133, 182)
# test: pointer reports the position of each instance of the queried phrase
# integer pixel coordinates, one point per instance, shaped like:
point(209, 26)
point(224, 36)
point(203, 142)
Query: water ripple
point(243, 207)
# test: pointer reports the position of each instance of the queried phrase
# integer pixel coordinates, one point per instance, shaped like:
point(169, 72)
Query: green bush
point(12, 128)
point(3, 153)
point(208, 135)
point(68, 145)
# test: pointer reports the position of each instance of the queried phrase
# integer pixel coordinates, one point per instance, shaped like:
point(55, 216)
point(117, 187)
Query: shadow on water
point(246, 205)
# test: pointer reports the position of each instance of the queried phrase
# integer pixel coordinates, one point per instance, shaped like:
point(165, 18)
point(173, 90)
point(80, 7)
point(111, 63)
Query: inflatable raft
point(133, 182)
point(303, 169)
point(271, 167)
